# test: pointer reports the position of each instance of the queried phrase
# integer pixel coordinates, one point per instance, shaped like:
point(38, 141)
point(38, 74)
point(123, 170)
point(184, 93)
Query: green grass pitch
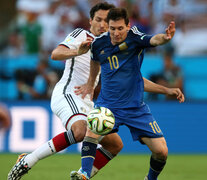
point(126, 167)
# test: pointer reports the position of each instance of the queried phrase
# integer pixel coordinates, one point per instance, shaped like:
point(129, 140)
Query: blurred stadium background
point(30, 30)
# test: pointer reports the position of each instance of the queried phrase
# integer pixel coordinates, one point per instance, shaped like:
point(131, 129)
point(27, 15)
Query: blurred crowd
point(41, 25)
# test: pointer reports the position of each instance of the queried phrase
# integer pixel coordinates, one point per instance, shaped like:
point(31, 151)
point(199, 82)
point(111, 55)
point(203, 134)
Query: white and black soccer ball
point(101, 120)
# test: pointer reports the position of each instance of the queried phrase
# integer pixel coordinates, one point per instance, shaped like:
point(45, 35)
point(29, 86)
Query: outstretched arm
point(88, 88)
point(160, 39)
point(149, 86)
point(63, 53)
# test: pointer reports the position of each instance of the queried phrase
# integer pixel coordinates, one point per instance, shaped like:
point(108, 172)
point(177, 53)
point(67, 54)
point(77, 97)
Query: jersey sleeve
point(141, 38)
point(74, 39)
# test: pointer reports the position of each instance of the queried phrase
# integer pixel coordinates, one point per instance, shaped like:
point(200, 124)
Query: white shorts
point(70, 108)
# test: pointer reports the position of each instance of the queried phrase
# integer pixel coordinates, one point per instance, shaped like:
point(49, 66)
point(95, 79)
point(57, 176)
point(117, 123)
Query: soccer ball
point(101, 120)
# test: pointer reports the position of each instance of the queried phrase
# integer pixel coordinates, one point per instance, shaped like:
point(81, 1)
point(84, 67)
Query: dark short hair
point(116, 14)
point(100, 6)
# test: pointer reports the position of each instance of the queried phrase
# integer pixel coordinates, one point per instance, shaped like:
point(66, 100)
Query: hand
point(84, 90)
point(170, 31)
point(85, 46)
point(176, 92)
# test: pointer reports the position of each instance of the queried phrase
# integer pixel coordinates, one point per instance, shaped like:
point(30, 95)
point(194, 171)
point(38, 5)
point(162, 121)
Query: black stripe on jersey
point(73, 102)
point(76, 33)
point(70, 104)
point(70, 75)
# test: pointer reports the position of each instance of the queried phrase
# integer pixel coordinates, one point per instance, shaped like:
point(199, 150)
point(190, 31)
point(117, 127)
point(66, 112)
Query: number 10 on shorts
point(155, 127)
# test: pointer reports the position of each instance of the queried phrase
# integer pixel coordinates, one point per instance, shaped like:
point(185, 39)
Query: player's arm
point(88, 88)
point(149, 86)
point(62, 52)
point(94, 70)
point(160, 39)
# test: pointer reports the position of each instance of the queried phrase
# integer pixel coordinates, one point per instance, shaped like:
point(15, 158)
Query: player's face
point(118, 31)
point(98, 23)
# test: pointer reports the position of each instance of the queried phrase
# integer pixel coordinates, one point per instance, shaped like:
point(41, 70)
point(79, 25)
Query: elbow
point(54, 55)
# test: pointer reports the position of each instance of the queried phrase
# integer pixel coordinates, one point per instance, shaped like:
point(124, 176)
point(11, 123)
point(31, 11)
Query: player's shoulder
point(100, 39)
point(136, 31)
point(77, 32)
point(79, 35)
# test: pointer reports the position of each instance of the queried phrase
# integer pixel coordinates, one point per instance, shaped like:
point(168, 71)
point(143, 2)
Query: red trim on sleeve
point(63, 45)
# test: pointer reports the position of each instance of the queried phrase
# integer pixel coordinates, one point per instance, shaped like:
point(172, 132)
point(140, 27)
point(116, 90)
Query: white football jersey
point(64, 102)
point(77, 69)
